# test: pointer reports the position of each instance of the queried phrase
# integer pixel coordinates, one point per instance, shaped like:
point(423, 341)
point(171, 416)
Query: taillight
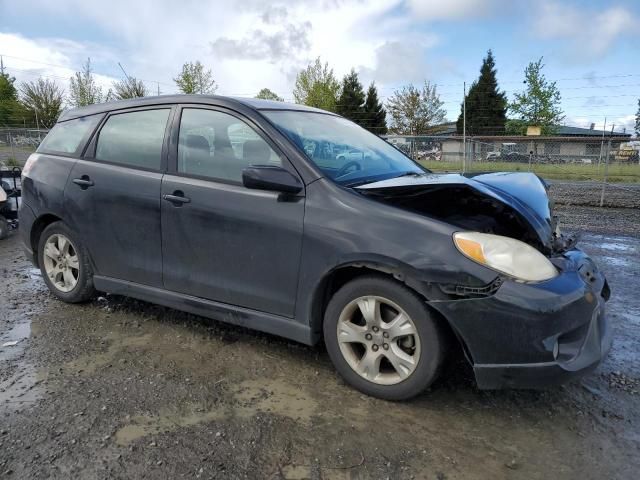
point(29, 164)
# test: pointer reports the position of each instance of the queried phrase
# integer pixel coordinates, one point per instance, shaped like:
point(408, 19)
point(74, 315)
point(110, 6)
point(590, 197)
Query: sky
point(590, 48)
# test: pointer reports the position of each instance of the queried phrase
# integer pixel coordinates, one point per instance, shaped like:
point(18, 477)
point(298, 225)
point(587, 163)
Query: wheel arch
point(40, 223)
point(345, 272)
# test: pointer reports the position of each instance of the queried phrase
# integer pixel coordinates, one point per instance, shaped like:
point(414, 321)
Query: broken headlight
point(506, 255)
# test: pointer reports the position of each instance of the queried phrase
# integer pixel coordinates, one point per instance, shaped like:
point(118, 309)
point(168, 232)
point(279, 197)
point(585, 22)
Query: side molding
point(253, 319)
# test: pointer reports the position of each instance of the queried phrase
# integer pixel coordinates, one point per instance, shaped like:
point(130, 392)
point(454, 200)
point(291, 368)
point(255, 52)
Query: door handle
point(177, 198)
point(83, 182)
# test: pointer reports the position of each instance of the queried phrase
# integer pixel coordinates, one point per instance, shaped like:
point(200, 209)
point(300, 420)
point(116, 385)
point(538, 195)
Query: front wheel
point(382, 338)
point(65, 264)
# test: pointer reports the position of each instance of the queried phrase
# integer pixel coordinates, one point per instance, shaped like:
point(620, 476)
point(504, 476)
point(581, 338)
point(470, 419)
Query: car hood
point(524, 193)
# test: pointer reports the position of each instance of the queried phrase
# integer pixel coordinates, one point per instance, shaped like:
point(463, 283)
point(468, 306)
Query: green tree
point(266, 94)
point(129, 87)
point(538, 105)
point(316, 86)
point(413, 110)
point(375, 114)
point(638, 120)
point(43, 100)
point(486, 104)
point(351, 101)
point(195, 79)
point(83, 89)
point(11, 111)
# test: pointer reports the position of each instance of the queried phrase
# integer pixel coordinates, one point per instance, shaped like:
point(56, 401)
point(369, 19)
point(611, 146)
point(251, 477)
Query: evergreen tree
point(375, 114)
point(351, 100)
point(486, 105)
point(11, 110)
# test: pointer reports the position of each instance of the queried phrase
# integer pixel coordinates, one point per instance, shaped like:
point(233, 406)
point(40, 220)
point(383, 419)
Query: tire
point(4, 228)
point(80, 291)
point(428, 348)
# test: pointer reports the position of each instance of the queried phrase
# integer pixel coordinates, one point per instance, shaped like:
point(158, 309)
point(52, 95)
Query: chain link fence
point(16, 144)
point(582, 170)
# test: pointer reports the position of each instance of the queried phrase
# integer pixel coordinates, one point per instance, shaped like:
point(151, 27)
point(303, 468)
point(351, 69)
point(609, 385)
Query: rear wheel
point(382, 338)
point(64, 264)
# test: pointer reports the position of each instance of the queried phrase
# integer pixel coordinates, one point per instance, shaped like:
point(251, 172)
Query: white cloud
point(590, 33)
point(451, 9)
point(54, 58)
point(248, 44)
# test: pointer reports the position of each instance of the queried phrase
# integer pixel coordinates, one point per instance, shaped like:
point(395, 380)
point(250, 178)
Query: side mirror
point(267, 177)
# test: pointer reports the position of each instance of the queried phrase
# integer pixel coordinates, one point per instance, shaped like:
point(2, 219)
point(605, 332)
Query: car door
point(113, 195)
point(220, 240)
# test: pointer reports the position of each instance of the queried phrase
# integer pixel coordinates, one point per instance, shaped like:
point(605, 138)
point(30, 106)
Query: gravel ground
point(118, 388)
point(616, 195)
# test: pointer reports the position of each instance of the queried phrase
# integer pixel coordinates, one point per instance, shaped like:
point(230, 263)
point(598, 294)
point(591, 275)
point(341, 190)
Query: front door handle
point(177, 198)
point(83, 182)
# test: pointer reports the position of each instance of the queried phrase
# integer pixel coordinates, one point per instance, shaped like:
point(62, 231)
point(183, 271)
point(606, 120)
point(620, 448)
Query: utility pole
point(606, 171)
point(464, 126)
point(158, 88)
point(125, 73)
point(1, 65)
point(602, 142)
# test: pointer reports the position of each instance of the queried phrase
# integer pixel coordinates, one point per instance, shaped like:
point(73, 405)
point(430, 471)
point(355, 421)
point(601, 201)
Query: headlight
point(506, 255)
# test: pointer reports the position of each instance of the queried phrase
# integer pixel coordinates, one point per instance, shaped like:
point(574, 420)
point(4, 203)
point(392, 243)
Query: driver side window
point(217, 145)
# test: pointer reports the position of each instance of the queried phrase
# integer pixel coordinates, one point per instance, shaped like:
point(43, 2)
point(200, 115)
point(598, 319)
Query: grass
point(618, 172)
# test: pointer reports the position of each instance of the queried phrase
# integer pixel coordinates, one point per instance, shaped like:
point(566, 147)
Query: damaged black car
point(297, 222)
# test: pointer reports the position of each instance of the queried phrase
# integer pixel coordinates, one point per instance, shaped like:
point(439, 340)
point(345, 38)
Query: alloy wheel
point(378, 340)
point(61, 262)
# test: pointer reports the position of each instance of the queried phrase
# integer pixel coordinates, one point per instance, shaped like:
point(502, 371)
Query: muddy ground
point(118, 388)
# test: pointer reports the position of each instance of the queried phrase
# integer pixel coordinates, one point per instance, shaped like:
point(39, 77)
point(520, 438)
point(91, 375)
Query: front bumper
point(536, 335)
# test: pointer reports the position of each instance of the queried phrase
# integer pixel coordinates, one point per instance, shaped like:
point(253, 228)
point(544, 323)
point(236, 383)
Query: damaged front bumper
point(531, 335)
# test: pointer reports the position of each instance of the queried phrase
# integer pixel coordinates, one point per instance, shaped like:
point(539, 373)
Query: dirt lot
point(118, 388)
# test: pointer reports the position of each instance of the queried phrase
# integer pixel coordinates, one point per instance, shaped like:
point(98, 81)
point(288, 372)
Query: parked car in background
point(227, 208)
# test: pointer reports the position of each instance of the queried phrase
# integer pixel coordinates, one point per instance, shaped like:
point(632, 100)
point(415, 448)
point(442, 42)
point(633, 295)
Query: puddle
point(275, 396)
point(250, 398)
point(21, 388)
point(166, 421)
point(616, 261)
point(88, 364)
point(20, 332)
point(622, 247)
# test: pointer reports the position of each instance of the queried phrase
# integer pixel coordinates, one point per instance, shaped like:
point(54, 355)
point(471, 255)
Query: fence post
point(606, 173)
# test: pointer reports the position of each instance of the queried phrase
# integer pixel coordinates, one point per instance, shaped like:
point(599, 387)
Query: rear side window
point(133, 139)
point(68, 137)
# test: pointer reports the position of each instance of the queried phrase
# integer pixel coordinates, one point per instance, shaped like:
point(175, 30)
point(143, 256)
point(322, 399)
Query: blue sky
point(589, 47)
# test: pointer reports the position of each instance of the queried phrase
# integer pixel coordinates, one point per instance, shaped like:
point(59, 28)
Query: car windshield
point(344, 151)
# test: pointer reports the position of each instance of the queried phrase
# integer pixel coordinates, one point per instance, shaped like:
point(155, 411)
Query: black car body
point(268, 251)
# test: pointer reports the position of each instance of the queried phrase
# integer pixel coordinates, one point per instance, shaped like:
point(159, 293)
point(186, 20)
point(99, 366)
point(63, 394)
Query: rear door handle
point(177, 198)
point(84, 182)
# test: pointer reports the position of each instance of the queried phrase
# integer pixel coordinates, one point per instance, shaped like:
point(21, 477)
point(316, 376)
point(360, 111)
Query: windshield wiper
point(410, 173)
point(362, 181)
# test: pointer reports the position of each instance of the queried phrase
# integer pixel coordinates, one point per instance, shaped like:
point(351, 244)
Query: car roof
point(252, 103)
